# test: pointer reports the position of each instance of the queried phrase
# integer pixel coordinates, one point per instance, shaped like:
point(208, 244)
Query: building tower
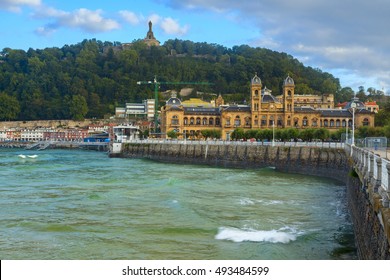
point(288, 101)
point(255, 101)
point(150, 40)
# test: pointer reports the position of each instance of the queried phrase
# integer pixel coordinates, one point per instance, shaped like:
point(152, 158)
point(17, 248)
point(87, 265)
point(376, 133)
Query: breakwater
point(325, 162)
point(370, 218)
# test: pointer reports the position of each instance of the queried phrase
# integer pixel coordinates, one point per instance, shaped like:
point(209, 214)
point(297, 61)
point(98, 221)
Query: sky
point(347, 38)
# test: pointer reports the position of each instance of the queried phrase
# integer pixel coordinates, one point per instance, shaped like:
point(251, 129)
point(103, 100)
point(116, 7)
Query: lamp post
point(353, 106)
point(273, 133)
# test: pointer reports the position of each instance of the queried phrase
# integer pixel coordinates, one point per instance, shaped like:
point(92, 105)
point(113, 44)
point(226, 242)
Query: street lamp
point(273, 133)
point(353, 106)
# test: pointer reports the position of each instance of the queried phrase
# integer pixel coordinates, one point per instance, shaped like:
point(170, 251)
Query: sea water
point(76, 204)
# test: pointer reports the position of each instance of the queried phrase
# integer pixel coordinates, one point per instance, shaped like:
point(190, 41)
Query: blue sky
point(347, 38)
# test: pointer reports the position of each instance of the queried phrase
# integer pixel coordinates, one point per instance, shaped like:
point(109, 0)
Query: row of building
point(52, 134)
point(288, 110)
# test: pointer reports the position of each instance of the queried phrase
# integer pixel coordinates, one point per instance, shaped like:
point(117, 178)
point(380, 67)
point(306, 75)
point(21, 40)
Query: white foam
point(33, 156)
point(246, 201)
point(22, 156)
point(239, 235)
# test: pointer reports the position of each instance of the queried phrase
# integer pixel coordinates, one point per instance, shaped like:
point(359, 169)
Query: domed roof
point(288, 81)
point(256, 80)
point(173, 101)
point(359, 104)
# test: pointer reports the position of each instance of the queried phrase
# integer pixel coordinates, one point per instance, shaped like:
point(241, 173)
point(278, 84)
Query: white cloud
point(16, 5)
point(84, 19)
point(171, 26)
point(131, 17)
point(351, 35)
point(154, 18)
point(45, 31)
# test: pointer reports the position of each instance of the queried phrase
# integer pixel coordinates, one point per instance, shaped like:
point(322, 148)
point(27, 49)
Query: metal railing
point(241, 143)
point(374, 169)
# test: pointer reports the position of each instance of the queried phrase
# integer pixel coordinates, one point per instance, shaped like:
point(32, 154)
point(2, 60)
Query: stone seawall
point(330, 163)
point(371, 220)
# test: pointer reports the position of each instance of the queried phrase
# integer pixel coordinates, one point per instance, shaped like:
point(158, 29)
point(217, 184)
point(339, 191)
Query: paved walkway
point(381, 153)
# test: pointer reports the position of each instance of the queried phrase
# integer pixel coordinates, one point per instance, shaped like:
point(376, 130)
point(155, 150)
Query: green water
point(83, 205)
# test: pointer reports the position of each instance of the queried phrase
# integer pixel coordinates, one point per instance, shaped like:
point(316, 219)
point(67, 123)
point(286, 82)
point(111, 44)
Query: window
point(217, 121)
point(192, 121)
point(344, 123)
point(314, 122)
point(326, 123)
point(175, 120)
point(305, 122)
point(198, 121)
point(211, 121)
point(237, 121)
point(331, 123)
point(337, 123)
point(256, 93)
point(204, 121)
point(296, 122)
point(366, 122)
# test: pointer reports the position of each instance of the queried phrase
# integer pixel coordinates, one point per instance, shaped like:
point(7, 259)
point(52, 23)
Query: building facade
point(265, 111)
point(144, 110)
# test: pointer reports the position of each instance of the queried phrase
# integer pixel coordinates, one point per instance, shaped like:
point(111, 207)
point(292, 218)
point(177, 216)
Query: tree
point(172, 134)
point(9, 107)
point(78, 107)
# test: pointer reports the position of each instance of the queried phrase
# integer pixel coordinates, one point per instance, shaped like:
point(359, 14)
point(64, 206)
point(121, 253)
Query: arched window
point(296, 122)
point(331, 123)
point(314, 122)
point(237, 121)
point(211, 121)
point(343, 123)
point(185, 120)
point(217, 121)
point(305, 122)
point(337, 123)
point(326, 123)
point(198, 121)
point(247, 121)
point(256, 93)
point(192, 121)
point(175, 120)
point(366, 122)
point(204, 121)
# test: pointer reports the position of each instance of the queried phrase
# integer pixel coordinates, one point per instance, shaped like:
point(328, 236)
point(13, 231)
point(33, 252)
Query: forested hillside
point(90, 78)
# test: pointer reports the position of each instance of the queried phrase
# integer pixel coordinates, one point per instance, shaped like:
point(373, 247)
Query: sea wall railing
point(241, 143)
point(374, 169)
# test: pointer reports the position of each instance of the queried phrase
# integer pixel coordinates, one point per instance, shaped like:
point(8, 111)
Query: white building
point(138, 110)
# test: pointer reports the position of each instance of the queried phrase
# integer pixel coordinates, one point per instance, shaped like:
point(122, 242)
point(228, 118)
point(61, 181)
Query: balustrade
point(374, 169)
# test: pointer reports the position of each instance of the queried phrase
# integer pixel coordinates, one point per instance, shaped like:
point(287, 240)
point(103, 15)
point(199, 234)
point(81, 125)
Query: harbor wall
point(324, 162)
point(371, 221)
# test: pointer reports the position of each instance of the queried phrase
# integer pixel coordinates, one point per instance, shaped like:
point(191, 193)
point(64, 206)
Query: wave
point(240, 235)
point(248, 201)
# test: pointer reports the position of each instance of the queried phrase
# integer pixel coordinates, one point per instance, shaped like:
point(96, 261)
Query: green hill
point(91, 78)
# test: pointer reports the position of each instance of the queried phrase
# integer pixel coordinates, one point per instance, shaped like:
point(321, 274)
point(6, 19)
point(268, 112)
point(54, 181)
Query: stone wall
point(371, 220)
point(304, 160)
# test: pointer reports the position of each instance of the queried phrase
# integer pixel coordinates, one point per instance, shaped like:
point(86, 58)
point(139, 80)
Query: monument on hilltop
point(150, 40)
